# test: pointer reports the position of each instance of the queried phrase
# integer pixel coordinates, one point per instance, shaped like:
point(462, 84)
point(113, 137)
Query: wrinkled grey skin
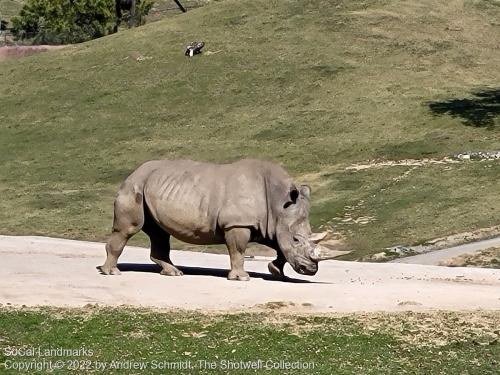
point(203, 203)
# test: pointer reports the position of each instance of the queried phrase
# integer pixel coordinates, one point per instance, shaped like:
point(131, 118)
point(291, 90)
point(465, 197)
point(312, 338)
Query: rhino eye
point(295, 239)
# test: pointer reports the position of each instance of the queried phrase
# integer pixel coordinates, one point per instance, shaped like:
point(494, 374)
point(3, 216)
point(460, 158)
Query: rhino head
point(294, 236)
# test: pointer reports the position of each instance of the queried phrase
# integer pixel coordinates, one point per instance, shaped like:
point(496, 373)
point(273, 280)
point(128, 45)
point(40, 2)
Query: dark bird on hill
point(194, 48)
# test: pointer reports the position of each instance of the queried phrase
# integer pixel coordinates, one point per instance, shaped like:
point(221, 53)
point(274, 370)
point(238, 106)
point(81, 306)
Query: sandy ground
point(46, 271)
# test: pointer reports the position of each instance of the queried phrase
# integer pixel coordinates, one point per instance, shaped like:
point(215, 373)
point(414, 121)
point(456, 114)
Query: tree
point(136, 12)
point(3, 25)
point(66, 21)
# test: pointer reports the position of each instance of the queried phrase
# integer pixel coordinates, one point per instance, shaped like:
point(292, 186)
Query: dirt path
point(46, 271)
point(16, 52)
point(439, 256)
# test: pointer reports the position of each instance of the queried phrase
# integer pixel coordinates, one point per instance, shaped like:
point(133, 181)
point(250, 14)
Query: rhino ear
point(292, 197)
point(305, 191)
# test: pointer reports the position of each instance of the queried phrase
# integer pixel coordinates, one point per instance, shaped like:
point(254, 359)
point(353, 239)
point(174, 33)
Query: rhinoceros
point(203, 203)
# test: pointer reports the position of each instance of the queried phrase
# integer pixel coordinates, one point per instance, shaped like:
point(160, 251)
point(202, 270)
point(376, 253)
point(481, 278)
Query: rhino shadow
point(202, 271)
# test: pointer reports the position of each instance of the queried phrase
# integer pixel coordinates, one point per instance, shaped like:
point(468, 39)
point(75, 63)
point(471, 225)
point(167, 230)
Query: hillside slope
point(316, 85)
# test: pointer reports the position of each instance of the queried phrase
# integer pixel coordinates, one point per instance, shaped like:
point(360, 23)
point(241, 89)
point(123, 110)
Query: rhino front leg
point(276, 266)
point(236, 242)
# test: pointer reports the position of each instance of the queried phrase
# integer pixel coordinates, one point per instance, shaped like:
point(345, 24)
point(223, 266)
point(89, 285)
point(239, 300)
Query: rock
point(409, 303)
point(481, 155)
point(379, 256)
point(400, 249)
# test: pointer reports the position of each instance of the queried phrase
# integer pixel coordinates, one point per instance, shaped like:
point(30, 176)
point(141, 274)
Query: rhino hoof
point(109, 270)
point(275, 271)
point(174, 272)
point(238, 275)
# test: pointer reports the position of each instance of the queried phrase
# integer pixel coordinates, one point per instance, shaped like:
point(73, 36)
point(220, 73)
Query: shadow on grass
point(202, 271)
point(479, 111)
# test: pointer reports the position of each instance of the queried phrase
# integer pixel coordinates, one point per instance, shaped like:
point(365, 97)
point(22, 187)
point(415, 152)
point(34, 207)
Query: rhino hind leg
point(128, 220)
point(236, 242)
point(160, 245)
point(160, 249)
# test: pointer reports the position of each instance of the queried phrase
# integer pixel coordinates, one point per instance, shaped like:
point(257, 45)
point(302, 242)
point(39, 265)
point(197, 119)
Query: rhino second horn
point(317, 237)
point(323, 253)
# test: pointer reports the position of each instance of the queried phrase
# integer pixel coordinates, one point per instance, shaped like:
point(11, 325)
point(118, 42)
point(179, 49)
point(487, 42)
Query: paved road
point(436, 257)
point(46, 271)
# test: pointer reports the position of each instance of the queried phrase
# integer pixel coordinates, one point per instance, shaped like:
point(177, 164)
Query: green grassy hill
point(316, 85)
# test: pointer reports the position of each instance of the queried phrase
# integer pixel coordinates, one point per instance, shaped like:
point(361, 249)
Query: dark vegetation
point(69, 21)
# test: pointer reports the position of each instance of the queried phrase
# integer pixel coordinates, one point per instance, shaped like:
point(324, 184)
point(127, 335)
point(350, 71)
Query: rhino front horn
point(323, 253)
